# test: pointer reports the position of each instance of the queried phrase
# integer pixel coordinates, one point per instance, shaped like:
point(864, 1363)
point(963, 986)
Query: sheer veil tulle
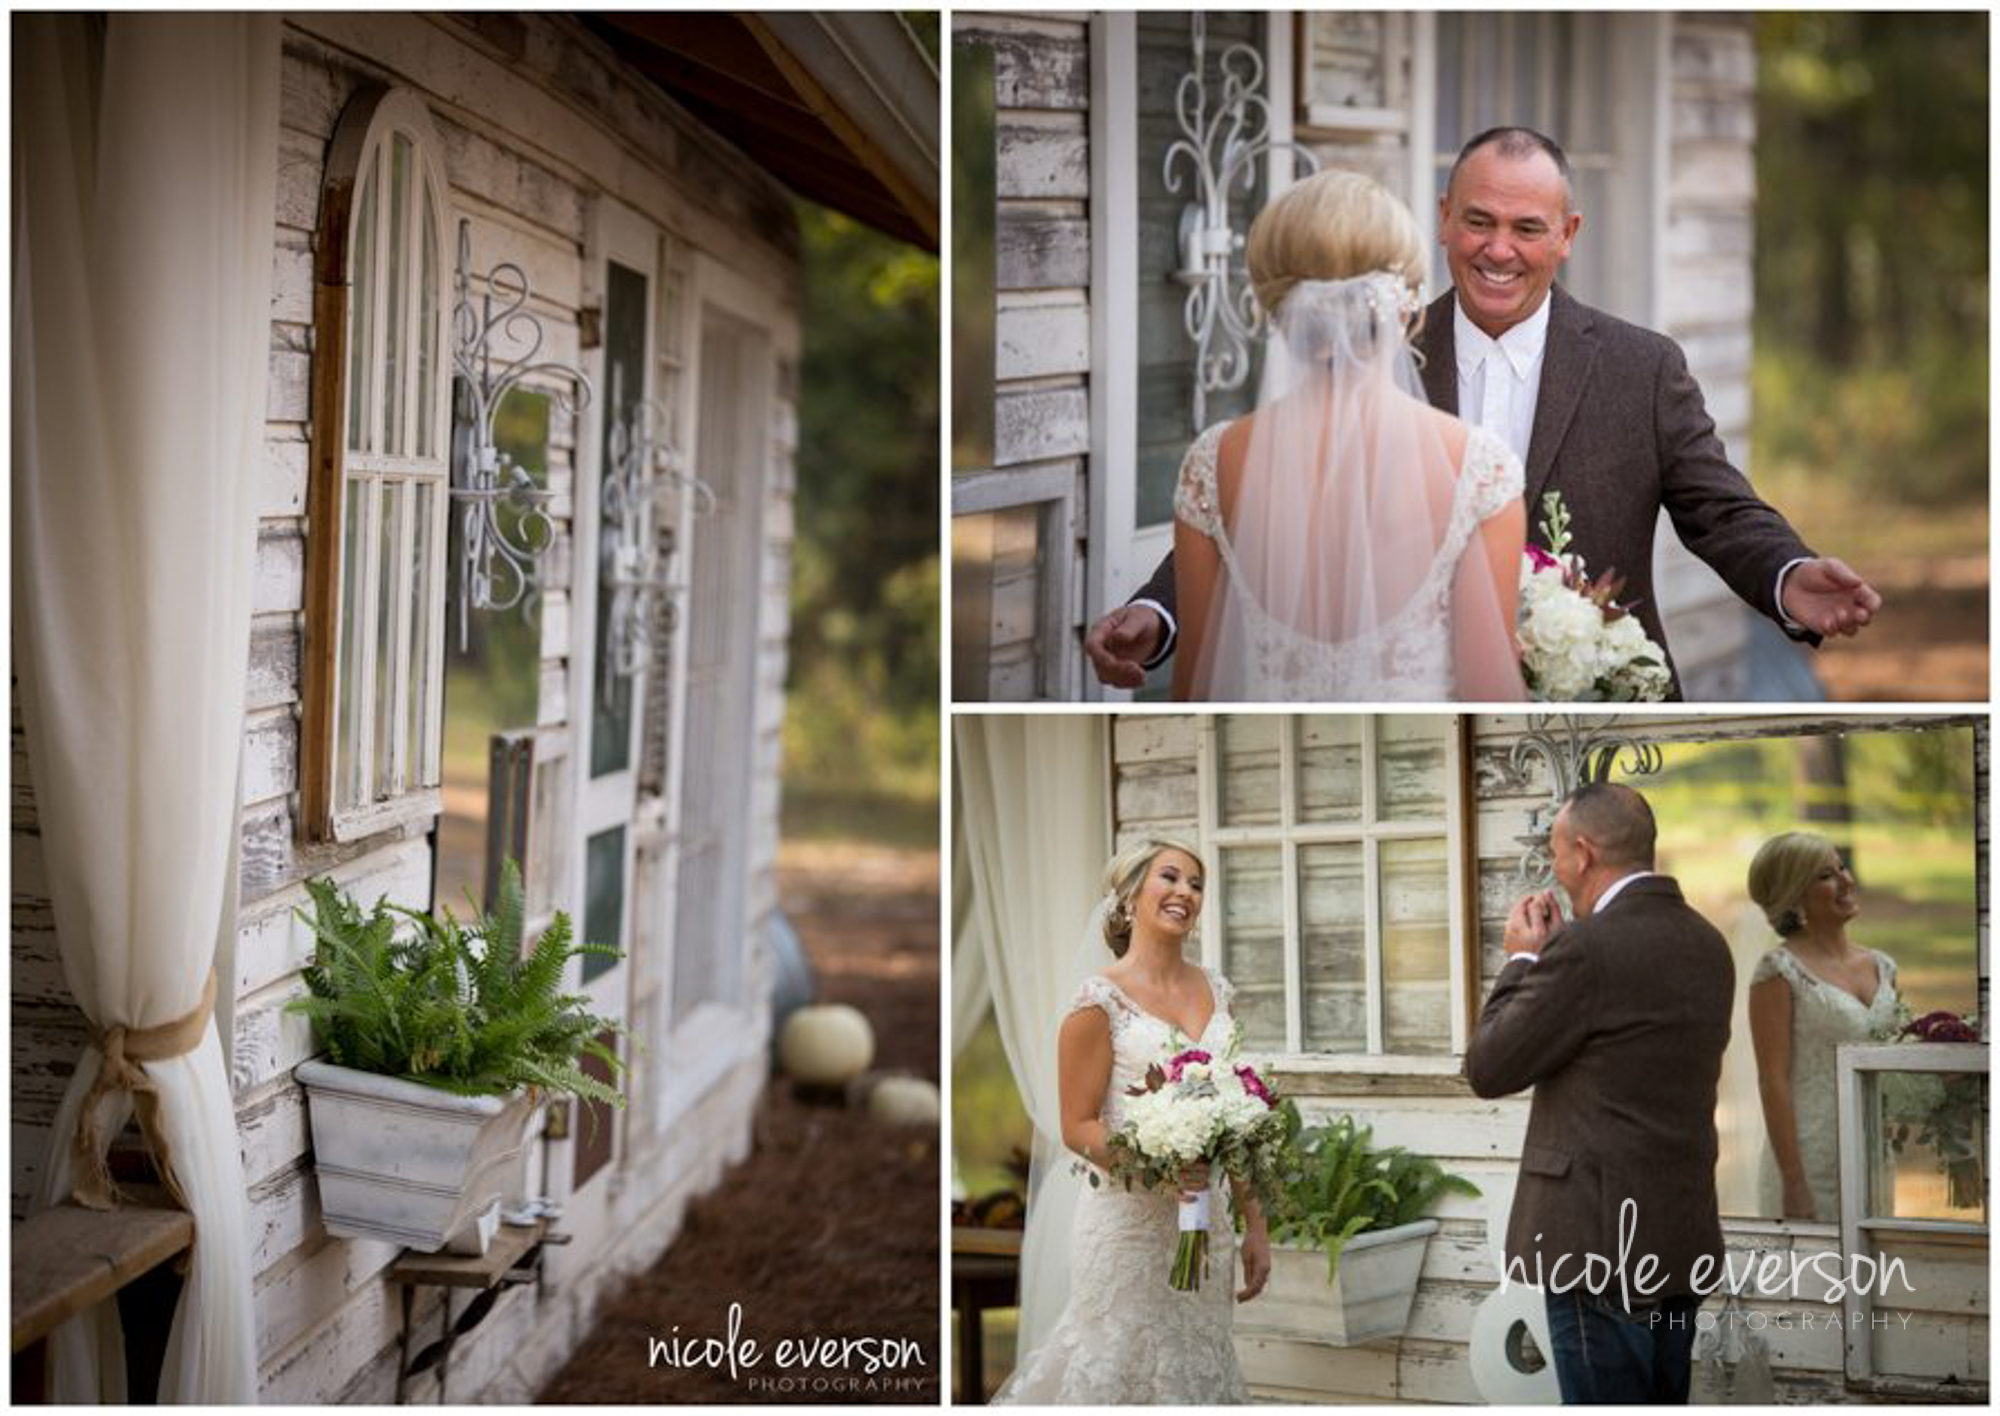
point(1342, 508)
point(1054, 1186)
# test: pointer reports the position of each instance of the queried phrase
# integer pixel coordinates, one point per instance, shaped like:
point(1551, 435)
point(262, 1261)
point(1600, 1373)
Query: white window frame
point(1288, 834)
point(1121, 554)
point(704, 1043)
point(1858, 1227)
point(367, 128)
point(1638, 69)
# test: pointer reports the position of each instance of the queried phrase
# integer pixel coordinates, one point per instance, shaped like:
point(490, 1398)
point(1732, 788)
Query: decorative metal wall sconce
point(1577, 750)
point(497, 569)
point(1220, 314)
point(635, 550)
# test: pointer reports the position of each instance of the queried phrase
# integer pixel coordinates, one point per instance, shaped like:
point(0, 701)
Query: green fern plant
point(452, 1006)
point(1336, 1185)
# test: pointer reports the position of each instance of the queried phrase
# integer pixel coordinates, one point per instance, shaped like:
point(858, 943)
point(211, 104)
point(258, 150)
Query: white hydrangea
point(1571, 655)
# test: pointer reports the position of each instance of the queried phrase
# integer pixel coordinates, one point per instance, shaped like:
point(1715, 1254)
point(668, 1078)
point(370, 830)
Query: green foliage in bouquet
point(1337, 1185)
point(452, 1006)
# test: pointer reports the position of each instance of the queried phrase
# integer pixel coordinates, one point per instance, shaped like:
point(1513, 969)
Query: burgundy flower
point(1176, 1063)
point(1254, 1084)
point(1941, 1027)
point(1539, 558)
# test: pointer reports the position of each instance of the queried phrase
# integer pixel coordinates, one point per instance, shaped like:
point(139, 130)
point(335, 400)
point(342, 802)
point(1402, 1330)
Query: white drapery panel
point(971, 990)
point(145, 170)
point(1033, 812)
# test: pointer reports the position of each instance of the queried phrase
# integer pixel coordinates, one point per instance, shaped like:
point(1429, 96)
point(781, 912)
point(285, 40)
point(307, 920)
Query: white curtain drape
point(971, 990)
point(1034, 818)
point(145, 171)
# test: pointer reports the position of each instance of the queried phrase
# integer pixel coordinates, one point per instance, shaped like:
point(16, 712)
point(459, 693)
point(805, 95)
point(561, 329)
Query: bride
point(1346, 541)
point(1125, 1335)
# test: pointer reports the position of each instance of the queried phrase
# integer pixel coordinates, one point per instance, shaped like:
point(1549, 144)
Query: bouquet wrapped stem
point(1191, 1254)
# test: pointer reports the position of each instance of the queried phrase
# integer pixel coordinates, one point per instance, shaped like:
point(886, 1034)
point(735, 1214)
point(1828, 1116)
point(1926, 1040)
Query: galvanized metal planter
point(411, 1164)
point(1370, 1297)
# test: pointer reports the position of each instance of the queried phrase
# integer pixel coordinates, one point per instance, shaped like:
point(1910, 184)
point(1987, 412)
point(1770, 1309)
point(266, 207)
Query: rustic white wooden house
point(1359, 871)
point(1063, 507)
point(637, 173)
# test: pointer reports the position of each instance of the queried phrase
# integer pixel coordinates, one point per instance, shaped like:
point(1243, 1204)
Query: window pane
point(428, 353)
point(1926, 1145)
point(1248, 764)
point(1416, 946)
point(361, 312)
point(393, 353)
point(1332, 941)
point(423, 560)
point(1167, 355)
point(386, 611)
point(492, 685)
point(625, 388)
point(1330, 768)
point(1410, 768)
point(974, 209)
point(350, 779)
point(1254, 938)
point(604, 898)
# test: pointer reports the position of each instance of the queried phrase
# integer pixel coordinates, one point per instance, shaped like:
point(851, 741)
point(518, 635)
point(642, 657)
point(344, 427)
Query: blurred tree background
point(861, 728)
point(1871, 270)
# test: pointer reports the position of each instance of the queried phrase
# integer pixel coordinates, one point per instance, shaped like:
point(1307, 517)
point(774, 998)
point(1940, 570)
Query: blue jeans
point(1606, 1356)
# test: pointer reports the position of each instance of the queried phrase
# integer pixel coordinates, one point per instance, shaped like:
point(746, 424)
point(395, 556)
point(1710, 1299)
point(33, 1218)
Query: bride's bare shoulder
point(1455, 431)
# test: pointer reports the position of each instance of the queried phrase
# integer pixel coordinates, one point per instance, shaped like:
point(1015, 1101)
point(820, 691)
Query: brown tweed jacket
point(1619, 1028)
point(1621, 431)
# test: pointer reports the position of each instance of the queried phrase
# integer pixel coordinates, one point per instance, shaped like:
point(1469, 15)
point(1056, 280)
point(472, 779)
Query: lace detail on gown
point(1407, 656)
point(1824, 1015)
point(1124, 1336)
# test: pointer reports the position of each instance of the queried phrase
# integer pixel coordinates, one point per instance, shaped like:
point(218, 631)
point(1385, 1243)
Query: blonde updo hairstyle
point(1124, 873)
point(1331, 226)
point(1782, 871)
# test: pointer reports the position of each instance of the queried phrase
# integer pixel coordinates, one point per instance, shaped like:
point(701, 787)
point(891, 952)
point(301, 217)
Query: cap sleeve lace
point(1097, 992)
point(1195, 498)
point(1775, 963)
point(1492, 473)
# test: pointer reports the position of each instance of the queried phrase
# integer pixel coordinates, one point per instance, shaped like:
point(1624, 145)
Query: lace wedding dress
point(1407, 654)
point(1824, 1015)
point(1125, 1336)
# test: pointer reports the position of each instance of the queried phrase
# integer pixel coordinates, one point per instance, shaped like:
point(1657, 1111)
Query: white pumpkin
point(826, 1044)
point(904, 1101)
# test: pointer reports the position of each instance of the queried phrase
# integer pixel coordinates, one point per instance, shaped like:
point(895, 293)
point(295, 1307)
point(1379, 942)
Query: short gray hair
point(1518, 143)
point(1618, 822)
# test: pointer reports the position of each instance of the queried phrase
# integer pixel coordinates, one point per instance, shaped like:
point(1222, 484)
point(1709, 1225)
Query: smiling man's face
point(1505, 231)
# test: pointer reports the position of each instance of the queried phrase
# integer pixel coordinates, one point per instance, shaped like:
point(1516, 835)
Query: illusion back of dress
point(1289, 625)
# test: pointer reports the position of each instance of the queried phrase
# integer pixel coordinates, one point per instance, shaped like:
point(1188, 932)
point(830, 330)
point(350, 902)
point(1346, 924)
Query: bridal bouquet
point(1577, 643)
point(1197, 1107)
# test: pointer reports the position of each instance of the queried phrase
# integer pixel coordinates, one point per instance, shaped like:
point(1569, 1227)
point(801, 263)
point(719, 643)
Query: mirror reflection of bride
point(1809, 995)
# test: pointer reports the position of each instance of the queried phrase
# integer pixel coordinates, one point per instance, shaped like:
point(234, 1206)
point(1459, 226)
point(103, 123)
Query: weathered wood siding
point(1705, 302)
point(1041, 74)
point(1433, 1112)
point(535, 115)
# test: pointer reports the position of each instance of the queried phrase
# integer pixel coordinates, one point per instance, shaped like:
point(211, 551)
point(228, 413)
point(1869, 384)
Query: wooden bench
point(69, 1259)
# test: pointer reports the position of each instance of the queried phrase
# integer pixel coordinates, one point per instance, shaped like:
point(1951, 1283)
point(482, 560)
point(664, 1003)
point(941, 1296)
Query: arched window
point(381, 435)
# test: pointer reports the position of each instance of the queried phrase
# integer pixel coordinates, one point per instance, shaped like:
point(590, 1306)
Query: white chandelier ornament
point(498, 570)
point(635, 548)
point(1220, 313)
point(1577, 751)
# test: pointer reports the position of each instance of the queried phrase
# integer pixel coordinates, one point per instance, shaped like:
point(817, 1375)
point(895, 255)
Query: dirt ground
point(1927, 645)
point(830, 1228)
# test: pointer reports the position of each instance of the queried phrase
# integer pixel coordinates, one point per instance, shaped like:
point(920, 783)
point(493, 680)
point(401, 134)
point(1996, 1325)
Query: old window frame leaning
point(379, 495)
point(1453, 826)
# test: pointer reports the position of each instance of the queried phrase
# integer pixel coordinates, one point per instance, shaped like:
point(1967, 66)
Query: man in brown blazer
point(1600, 410)
point(1618, 1022)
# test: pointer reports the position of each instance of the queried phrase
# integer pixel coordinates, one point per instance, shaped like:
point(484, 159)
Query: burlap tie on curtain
point(124, 1048)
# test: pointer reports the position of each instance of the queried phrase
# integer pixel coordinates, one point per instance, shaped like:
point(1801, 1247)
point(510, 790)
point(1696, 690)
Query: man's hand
point(1827, 597)
point(1532, 923)
point(1120, 644)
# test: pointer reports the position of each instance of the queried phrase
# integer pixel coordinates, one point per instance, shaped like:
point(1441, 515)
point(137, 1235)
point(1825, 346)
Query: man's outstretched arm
point(1137, 635)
